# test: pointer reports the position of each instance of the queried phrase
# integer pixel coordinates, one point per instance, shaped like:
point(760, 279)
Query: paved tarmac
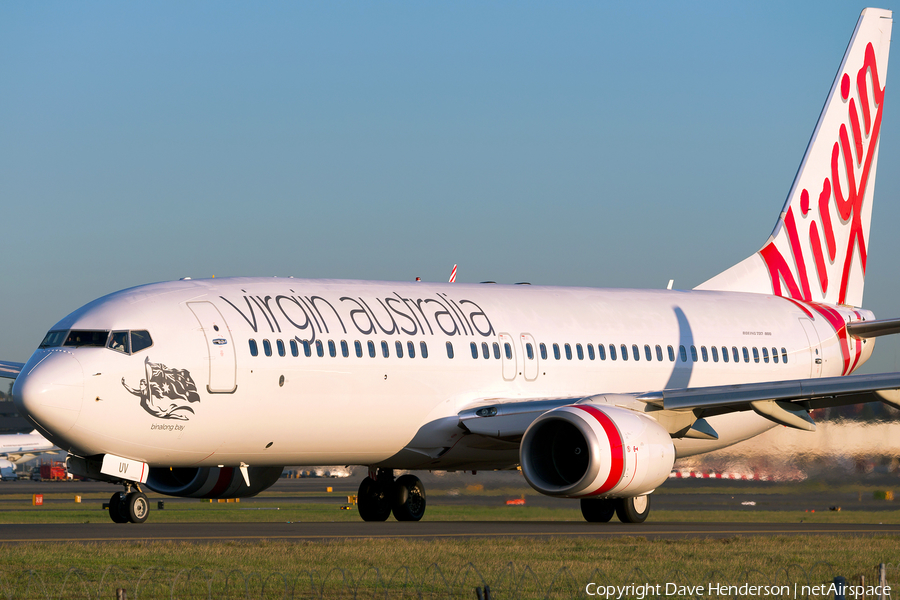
point(249, 532)
point(455, 490)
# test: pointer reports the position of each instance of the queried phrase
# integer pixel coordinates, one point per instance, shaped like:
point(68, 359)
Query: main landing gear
point(629, 510)
point(130, 506)
point(381, 495)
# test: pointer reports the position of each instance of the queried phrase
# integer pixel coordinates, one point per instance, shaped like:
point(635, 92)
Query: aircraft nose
point(51, 390)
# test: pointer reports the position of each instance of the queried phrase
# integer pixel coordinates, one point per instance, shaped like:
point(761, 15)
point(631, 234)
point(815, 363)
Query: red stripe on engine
point(615, 447)
point(225, 476)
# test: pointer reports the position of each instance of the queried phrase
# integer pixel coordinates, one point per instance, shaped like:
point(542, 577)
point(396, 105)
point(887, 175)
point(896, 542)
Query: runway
point(737, 497)
point(253, 532)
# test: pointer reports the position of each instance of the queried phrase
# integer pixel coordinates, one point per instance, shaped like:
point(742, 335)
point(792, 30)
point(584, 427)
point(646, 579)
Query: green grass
point(517, 568)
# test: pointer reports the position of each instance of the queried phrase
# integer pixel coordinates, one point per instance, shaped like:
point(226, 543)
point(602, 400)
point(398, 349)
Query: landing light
point(487, 412)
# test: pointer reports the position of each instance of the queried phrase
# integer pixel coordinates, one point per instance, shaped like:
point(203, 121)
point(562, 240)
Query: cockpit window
point(140, 340)
point(118, 341)
point(53, 339)
point(89, 338)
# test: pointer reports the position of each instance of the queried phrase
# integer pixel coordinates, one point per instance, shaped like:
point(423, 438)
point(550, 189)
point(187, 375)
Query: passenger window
point(529, 351)
point(508, 350)
point(358, 347)
point(683, 351)
point(755, 355)
point(543, 351)
point(590, 351)
point(704, 354)
point(568, 352)
point(267, 348)
point(410, 349)
point(295, 349)
point(612, 352)
point(424, 349)
point(765, 355)
point(746, 355)
point(556, 354)
point(735, 355)
point(307, 349)
point(345, 351)
point(496, 350)
point(254, 349)
point(601, 350)
point(280, 345)
point(371, 346)
point(635, 352)
point(118, 341)
point(474, 348)
point(624, 350)
point(693, 353)
point(671, 352)
point(579, 351)
point(648, 354)
point(715, 353)
point(320, 349)
point(784, 355)
point(725, 353)
point(332, 349)
point(398, 347)
point(140, 340)
point(385, 349)
point(775, 355)
point(449, 350)
point(485, 350)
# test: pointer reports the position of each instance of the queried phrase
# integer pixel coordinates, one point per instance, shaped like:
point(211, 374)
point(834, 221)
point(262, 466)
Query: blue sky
point(569, 144)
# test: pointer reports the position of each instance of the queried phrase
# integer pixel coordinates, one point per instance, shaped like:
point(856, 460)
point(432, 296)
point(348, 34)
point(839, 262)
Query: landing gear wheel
point(137, 507)
point(409, 498)
point(373, 500)
point(115, 508)
point(598, 510)
point(633, 510)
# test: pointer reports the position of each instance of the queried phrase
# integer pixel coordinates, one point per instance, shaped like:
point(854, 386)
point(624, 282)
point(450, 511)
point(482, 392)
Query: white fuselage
point(308, 410)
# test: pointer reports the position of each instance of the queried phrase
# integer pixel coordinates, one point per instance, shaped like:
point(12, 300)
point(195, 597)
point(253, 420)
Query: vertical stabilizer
point(817, 251)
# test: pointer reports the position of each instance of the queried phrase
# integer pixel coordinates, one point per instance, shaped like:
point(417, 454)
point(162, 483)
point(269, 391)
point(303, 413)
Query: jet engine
point(211, 482)
point(586, 450)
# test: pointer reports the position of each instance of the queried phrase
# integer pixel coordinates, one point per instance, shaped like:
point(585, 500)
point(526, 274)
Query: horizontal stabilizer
point(870, 329)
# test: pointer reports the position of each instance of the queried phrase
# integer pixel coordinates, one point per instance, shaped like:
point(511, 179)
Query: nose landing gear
point(130, 506)
point(381, 495)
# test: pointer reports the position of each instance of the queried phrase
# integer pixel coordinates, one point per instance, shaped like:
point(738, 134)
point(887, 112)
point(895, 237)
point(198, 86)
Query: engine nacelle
point(211, 482)
point(586, 450)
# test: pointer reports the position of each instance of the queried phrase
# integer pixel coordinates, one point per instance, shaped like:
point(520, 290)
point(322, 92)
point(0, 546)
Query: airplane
point(17, 447)
point(206, 388)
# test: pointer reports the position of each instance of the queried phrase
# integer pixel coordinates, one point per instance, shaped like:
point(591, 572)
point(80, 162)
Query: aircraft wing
point(10, 370)
point(783, 402)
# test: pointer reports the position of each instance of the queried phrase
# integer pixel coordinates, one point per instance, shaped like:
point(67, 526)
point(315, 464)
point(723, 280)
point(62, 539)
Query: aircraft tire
point(137, 506)
point(373, 500)
point(596, 510)
point(409, 498)
point(633, 510)
point(116, 512)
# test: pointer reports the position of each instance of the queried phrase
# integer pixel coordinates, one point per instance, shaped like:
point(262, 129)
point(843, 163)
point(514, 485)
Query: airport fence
point(435, 582)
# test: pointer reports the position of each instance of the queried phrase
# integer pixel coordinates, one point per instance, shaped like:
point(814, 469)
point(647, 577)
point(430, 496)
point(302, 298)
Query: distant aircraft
point(207, 388)
point(18, 447)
